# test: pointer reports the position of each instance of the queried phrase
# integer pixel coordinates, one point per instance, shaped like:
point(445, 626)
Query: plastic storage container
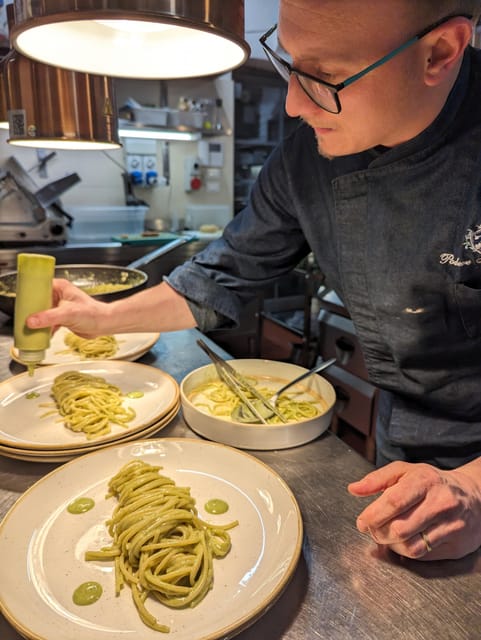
point(189, 119)
point(100, 224)
point(150, 116)
point(197, 215)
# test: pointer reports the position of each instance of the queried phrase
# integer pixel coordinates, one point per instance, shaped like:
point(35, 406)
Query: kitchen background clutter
point(159, 177)
point(178, 180)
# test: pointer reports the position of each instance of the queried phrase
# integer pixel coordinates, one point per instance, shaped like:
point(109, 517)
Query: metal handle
point(311, 372)
point(160, 251)
point(237, 383)
point(225, 374)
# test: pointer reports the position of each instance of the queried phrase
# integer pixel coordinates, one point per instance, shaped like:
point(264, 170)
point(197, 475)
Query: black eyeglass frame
point(336, 88)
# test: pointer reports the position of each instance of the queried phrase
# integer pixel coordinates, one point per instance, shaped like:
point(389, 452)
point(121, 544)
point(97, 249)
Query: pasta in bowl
point(210, 408)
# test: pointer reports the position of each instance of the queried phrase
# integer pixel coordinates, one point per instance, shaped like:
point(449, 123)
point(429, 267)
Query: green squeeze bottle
point(34, 293)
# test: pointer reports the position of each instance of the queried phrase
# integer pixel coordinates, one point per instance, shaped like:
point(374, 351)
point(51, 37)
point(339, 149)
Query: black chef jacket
point(397, 232)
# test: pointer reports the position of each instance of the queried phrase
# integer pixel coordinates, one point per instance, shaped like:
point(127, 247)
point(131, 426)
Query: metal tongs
point(239, 385)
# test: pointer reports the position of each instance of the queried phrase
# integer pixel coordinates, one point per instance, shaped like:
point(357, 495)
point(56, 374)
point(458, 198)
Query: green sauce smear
point(216, 506)
point(87, 593)
point(80, 505)
point(32, 395)
point(135, 394)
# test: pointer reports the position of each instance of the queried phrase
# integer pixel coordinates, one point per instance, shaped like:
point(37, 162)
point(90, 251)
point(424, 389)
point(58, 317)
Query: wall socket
point(192, 170)
point(149, 163)
point(151, 176)
point(134, 163)
point(143, 169)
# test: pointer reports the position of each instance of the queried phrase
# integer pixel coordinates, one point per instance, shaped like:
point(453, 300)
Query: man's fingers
point(379, 479)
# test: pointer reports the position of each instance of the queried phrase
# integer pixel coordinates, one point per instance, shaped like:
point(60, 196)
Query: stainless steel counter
point(344, 587)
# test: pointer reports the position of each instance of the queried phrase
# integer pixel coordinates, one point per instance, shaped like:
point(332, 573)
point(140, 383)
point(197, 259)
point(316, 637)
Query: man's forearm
point(159, 308)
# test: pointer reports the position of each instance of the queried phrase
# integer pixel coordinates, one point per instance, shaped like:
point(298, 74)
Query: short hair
point(432, 10)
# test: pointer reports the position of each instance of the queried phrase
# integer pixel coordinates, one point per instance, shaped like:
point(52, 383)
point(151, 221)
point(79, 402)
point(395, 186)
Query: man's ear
point(444, 48)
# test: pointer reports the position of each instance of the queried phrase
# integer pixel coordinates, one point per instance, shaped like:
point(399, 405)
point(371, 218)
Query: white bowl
point(258, 436)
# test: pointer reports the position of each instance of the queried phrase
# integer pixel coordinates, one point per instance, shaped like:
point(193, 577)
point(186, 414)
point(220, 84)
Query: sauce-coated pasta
point(160, 546)
point(92, 348)
point(89, 403)
point(217, 399)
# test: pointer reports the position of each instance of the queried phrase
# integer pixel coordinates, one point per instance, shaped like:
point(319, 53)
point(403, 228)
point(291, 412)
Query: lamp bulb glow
point(135, 26)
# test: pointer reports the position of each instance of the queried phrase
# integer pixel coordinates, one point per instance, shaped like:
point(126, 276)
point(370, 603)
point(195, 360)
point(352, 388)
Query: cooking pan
point(90, 276)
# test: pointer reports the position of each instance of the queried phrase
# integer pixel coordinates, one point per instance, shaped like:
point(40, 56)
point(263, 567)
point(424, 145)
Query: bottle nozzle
point(31, 357)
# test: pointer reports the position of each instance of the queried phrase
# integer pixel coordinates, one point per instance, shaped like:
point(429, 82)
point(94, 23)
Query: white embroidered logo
point(472, 242)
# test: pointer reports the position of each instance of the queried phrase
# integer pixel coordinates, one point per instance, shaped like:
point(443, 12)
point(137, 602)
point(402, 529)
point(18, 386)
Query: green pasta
point(160, 547)
point(93, 348)
point(89, 403)
point(215, 398)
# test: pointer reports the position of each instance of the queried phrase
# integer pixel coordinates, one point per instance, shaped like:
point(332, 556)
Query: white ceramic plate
point(42, 546)
point(131, 347)
point(64, 455)
point(22, 426)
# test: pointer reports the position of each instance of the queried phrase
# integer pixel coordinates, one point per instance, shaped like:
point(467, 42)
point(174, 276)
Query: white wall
point(170, 202)
point(101, 178)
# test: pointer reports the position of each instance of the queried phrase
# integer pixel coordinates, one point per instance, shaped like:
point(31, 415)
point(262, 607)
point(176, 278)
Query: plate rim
point(244, 621)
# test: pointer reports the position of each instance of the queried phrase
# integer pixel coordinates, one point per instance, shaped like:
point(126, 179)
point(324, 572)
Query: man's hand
point(423, 512)
point(72, 308)
point(158, 308)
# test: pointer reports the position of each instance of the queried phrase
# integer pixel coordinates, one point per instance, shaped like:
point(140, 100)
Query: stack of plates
point(131, 347)
point(26, 435)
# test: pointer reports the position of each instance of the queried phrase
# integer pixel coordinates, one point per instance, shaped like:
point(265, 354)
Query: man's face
point(334, 39)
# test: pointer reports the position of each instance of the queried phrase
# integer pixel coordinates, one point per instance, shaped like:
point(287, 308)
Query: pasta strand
point(160, 546)
point(91, 348)
point(217, 399)
point(89, 403)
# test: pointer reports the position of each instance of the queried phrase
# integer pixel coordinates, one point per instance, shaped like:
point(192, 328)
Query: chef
point(382, 182)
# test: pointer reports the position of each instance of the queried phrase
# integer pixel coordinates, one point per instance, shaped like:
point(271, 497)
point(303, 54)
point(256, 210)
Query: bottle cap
point(31, 356)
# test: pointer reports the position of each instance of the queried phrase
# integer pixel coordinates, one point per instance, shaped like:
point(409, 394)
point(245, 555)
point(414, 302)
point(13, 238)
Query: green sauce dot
point(216, 506)
point(135, 394)
point(32, 395)
point(80, 505)
point(87, 593)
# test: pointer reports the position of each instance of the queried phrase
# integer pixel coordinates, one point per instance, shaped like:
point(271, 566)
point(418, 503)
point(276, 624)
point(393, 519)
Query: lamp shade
point(50, 107)
point(3, 102)
point(133, 38)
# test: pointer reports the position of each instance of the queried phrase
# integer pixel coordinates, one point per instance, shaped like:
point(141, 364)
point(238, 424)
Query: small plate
point(131, 347)
point(21, 422)
point(42, 546)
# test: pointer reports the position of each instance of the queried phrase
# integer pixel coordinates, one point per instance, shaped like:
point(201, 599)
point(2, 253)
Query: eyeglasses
point(325, 94)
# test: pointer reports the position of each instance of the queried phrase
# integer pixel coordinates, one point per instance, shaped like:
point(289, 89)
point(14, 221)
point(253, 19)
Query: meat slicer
point(29, 215)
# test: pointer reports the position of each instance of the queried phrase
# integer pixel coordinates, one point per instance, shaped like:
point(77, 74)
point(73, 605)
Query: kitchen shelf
point(167, 133)
point(159, 133)
point(255, 142)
